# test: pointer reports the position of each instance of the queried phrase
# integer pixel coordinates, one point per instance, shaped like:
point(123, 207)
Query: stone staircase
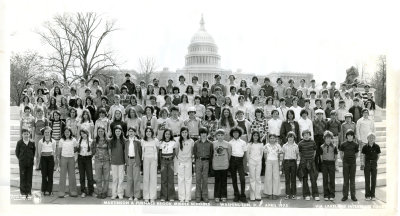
point(380, 125)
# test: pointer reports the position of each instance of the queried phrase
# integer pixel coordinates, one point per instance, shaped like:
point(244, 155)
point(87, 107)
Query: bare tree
point(57, 35)
point(378, 81)
point(89, 31)
point(23, 68)
point(147, 66)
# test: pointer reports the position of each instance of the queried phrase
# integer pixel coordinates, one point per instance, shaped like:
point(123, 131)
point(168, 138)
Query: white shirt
point(272, 151)
point(196, 88)
point(131, 152)
point(239, 147)
point(255, 152)
point(316, 91)
point(274, 126)
point(168, 147)
point(235, 100)
point(282, 113)
point(182, 88)
point(84, 147)
point(305, 125)
point(67, 147)
point(48, 146)
point(255, 89)
point(297, 111)
point(363, 127)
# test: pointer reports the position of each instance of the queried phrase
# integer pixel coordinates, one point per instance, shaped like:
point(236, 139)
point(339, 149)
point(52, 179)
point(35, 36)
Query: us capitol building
point(203, 61)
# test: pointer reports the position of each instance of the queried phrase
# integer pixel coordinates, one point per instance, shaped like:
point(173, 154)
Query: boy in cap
point(348, 153)
point(364, 126)
point(347, 124)
point(319, 126)
point(202, 152)
point(307, 151)
point(222, 152)
point(193, 124)
point(328, 153)
point(218, 83)
point(334, 126)
point(129, 84)
point(371, 153)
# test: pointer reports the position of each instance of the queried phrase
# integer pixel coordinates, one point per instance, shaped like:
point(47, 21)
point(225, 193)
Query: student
point(40, 123)
point(124, 97)
point(255, 154)
point(280, 88)
point(190, 94)
point(133, 103)
point(305, 123)
point(260, 124)
point(226, 122)
point(272, 151)
point(27, 121)
point(133, 155)
point(334, 125)
point(25, 152)
point(182, 86)
point(213, 104)
point(47, 153)
point(87, 123)
point(222, 152)
point(371, 152)
point(269, 107)
point(40, 105)
point(66, 153)
point(148, 119)
point(57, 127)
point(200, 108)
point(202, 152)
point(282, 109)
point(348, 101)
point(184, 156)
point(303, 89)
point(210, 122)
point(356, 110)
point(348, 124)
point(243, 124)
point(288, 97)
point(319, 127)
point(364, 126)
point(313, 99)
point(239, 149)
point(307, 150)
point(117, 162)
point(290, 125)
point(168, 152)
point(161, 122)
point(116, 106)
point(183, 107)
point(296, 108)
point(309, 109)
point(336, 99)
point(291, 86)
point(101, 150)
point(196, 86)
point(85, 163)
point(176, 98)
point(104, 104)
point(290, 152)
point(53, 107)
point(349, 153)
point(314, 89)
point(102, 121)
point(193, 124)
point(341, 111)
point(150, 146)
point(204, 99)
point(328, 153)
point(97, 98)
point(328, 108)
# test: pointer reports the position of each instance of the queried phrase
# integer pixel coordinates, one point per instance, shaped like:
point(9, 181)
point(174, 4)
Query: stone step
point(360, 184)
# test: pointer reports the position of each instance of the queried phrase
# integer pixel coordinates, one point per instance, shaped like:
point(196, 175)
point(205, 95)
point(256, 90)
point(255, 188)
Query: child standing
point(150, 147)
point(307, 150)
point(254, 154)
point(184, 156)
point(371, 153)
point(167, 147)
point(222, 152)
point(290, 152)
point(364, 126)
point(239, 149)
point(272, 151)
point(101, 150)
point(133, 155)
point(202, 152)
point(47, 153)
point(328, 154)
point(25, 152)
point(40, 123)
point(85, 163)
point(67, 147)
point(348, 153)
point(117, 161)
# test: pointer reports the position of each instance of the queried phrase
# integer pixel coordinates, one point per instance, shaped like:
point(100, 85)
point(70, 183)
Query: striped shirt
point(290, 151)
point(56, 130)
point(307, 149)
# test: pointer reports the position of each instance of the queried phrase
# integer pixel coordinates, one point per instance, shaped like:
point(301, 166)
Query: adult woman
point(290, 125)
point(66, 153)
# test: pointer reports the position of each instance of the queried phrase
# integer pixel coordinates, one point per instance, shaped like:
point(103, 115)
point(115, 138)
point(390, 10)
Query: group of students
point(215, 131)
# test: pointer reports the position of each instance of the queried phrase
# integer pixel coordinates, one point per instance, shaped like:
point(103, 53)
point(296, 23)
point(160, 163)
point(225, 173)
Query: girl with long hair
point(87, 123)
point(150, 147)
point(85, 163)
point(117, 161)
point(47, 154)
point(52, 107)
point(183, 107)
point(226, 122)
point(184, 156)
point(167, 154)
point(133, 120)
point(210, 122)
point(190, 94)
point(148, 119)
point(101, 149)
point(254, 155)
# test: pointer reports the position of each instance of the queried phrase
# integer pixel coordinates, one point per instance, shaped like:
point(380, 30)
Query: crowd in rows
point(246, 129)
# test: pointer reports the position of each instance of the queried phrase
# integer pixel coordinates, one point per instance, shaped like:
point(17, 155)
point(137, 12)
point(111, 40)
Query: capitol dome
point(202, 50)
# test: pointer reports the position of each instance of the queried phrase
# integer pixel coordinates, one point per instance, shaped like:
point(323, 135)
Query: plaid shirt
point(319, 126)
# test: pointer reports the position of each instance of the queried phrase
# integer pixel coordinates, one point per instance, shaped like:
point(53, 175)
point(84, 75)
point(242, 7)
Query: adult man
point(269, 90)
point(217, 78)
point(291, 85)
point(116, 88)
point(156, 87)
point(130, 85)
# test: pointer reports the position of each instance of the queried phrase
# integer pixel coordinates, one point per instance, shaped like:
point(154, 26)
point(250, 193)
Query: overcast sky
point(256, 36)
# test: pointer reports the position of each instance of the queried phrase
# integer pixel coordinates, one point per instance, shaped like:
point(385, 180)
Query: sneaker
point(172, 200)
point(130, 199)
point(286, 197)
point(146, 200)
point(373, 198)
point(223, 199)
point(217, 200)
point(307, 198)
point(236, 199)
point(135, 200)
point(198, 200)
point(316, 198)
point(367, 198)
point(83, 195)
point(181, 201)
point(332, 199)
point(344, 199)
point(294, 197)
point(113, 197)
point(354, 199)
point(121, 197)
point(205, 200)
point(362, 167)
point(162, 200)
point(326, 198)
